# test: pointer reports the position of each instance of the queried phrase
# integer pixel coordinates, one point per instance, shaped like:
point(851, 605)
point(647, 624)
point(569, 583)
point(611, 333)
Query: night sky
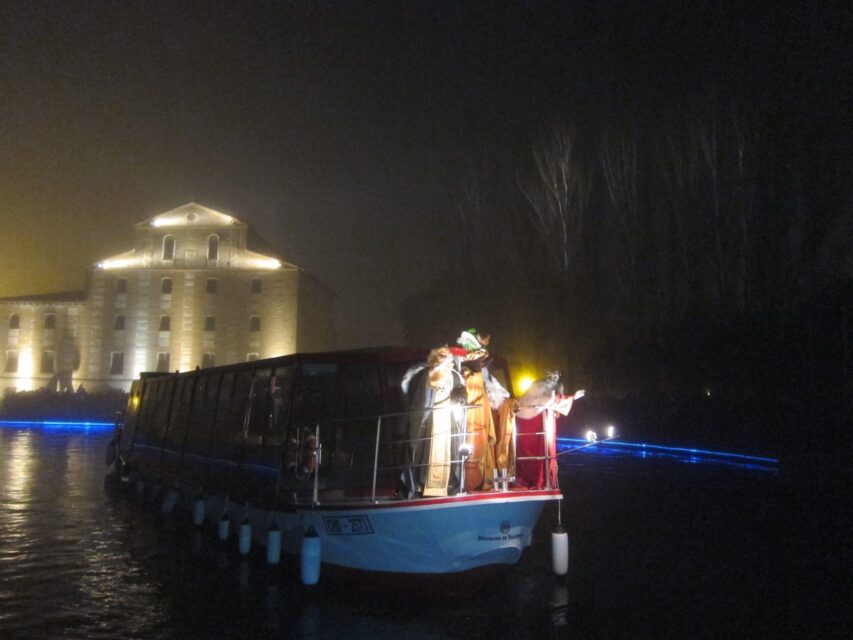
point(335, 128)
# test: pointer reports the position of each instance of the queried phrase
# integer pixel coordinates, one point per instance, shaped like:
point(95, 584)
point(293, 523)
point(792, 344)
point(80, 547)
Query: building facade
point(191, 293)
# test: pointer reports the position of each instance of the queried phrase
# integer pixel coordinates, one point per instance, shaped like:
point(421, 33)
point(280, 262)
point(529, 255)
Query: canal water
point(663, 544)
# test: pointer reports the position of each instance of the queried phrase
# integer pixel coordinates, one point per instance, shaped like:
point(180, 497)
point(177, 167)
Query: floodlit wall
point(178, 300)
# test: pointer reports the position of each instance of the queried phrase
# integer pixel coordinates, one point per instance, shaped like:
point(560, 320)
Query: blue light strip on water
point(659, 447)
point(71, 425)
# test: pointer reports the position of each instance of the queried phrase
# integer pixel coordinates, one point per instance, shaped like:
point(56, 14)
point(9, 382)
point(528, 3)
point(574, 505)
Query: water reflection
point(78, 561)
point(16, 471)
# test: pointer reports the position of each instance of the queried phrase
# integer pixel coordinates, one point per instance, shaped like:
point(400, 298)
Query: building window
point(121, 285)
point(256, 285)
point(166, 285)
point(211, 285)
point(163, 362)
point(117, 363)
point(208, 360)
point(118, 323)
point(47, 361)
point(168, 247)
point(209, 323)
point(50, 321)
point(165, 323)
point(14, 321)
point(255, 323)
point(251, 357)
point(11, 362)
point(213, 247)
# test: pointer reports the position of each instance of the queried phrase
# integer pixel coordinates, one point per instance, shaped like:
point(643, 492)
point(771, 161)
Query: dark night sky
point(331, 127)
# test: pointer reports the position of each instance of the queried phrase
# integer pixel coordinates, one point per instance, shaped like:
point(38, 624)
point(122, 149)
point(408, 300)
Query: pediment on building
point(191, 215)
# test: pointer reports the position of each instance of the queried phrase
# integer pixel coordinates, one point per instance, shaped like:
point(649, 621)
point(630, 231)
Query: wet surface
point(659, 547)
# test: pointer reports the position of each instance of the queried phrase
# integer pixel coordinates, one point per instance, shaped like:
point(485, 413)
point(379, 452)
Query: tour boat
point(316, 445)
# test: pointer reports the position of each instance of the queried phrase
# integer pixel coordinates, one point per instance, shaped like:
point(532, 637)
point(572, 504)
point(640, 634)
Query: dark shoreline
point(42, 404)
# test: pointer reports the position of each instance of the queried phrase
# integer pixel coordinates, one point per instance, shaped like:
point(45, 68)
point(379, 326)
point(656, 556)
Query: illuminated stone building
point(190, 293)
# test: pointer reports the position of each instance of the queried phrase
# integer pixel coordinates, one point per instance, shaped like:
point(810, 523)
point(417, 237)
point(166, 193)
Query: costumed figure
point(486, 393)
point(434, 429)
point(536, 431)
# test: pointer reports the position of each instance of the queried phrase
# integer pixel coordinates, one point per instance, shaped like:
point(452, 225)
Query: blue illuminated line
point(61, 424)
point(660, 447)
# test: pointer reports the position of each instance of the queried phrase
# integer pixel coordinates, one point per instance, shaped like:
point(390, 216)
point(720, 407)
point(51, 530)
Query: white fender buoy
point(198, 511)
point(224, 527)
point(245, 539)
point(560, 550)
point(310, 557)
point(169, 502)
point(274, 544)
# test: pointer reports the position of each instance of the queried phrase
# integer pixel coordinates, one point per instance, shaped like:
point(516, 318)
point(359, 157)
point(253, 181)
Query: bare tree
point(558, 194)
point(621, 184)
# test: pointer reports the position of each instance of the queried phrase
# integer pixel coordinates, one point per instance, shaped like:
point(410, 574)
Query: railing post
point(464, 458)
point(316, 464)
point(549, 428)
point(376, 458)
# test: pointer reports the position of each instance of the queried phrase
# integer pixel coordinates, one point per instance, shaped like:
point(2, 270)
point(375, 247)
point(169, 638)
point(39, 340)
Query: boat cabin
point(257, 431)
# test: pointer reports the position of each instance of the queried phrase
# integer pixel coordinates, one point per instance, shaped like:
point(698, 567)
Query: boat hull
point(445, 535)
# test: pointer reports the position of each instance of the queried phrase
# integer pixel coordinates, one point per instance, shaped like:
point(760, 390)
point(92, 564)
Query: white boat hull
point(438, 535)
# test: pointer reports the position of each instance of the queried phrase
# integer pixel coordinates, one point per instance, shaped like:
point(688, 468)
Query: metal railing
point(502, 480)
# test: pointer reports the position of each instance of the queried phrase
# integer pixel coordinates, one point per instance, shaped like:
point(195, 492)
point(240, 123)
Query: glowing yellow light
point(263, 263)
point(19, 459)
point(524, 383)
point(24, 377)
point(120, 262)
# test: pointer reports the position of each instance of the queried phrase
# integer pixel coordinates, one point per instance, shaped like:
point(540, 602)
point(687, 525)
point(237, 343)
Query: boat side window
point(312, 404)
point(203, 412)
point(357, 407)
point(162, 413)
point(358, 395)
point(259, 419)
point(131, 414)
point(393, 398)
point(315, 389)
point(239, 404)
point(180, 415)
point(223, 410)
point(146, 413)
point(281, 387)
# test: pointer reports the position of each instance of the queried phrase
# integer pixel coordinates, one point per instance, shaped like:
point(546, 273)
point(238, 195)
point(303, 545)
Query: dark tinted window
point(117, 362)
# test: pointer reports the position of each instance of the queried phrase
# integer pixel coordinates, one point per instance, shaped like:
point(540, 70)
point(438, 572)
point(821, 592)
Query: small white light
point(591, 436)
point(611, 431)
